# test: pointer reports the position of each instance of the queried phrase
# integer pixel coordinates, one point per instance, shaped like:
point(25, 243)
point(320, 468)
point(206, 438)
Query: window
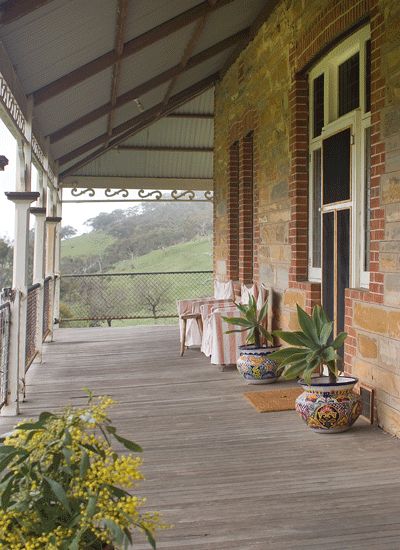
point(349, 85)
point(316, 209)
point(318, 110)
point(339, 138)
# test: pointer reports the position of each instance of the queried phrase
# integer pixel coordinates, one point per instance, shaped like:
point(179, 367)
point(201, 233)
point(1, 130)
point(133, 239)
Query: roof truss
point(147, 86)
point(129, 48)
point(136, 124)
point(14, 9)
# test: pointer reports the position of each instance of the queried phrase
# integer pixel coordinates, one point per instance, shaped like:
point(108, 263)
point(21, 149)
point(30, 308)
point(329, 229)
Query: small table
point(185, 318)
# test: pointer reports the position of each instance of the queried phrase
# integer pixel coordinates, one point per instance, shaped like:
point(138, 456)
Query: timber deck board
point(226, 476)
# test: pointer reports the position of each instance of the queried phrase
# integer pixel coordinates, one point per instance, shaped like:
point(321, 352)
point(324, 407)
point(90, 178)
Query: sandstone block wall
point(266, 92)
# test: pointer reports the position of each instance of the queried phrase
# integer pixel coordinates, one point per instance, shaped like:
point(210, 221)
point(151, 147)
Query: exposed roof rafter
point(11, 10)
point(136, 124)
point(148, 85)
point(132, 46)
point(205, 116)
point(164, 148)
point(120, 26)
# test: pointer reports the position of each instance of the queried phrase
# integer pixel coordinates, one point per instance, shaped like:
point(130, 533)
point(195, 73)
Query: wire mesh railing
point(47, 306)
point(5, 319)
point(32, 324)
point(112, 296)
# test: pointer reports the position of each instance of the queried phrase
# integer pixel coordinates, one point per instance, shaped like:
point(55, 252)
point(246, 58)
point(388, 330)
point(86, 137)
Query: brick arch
point(243, 231)
point(330, 26)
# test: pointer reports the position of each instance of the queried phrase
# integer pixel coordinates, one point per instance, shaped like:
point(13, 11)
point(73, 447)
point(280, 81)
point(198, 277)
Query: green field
point(191, 256)
point(88, 244)
point(126, 295)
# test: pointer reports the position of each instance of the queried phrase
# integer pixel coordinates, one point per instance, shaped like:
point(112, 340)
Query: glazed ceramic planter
point(255, 365)
point(327, 407)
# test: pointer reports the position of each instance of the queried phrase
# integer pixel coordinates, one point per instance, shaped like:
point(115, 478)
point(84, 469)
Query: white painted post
point(17, 356)
point(57, 270)
point(51, 224)
point(38, 273)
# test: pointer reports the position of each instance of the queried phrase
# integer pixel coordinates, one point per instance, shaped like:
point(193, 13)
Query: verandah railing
point(110, 296)
point(5, 319)
point(32, 324)
point(47, 306)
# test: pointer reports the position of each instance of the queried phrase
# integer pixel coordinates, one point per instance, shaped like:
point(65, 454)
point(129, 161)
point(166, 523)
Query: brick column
point(233, 213)
point(246, 210)
point(298, 187)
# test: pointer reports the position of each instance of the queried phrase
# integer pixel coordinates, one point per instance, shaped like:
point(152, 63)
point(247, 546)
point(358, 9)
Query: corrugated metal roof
point(63, 35)
point(76, 101)
point(153, 60)
point(57, 38)
point(150, 164)
point(176, 132)
point(203, 104)
point(147, 14)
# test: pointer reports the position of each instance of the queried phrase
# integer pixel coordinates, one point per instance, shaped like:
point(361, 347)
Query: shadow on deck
point(227, 477)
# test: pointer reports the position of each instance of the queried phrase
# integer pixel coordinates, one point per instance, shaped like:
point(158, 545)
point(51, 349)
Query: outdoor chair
point(189, 311)
point(222, 348)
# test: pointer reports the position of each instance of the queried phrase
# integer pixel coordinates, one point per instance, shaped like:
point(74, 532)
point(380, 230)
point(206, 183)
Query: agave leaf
point(326, 331)
point(294, 370)
point(236, 330)
point(294, 338)
point(267, 335)
point(295, 358)
point(316, 317)
point(324, 318)
point(263, 312)
point(307, 325)
point(284, 353)
point(236, 321)
point(339, 340)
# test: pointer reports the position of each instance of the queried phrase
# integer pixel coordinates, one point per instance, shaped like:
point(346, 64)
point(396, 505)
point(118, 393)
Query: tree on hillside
point(67, 231)
point(6, 263)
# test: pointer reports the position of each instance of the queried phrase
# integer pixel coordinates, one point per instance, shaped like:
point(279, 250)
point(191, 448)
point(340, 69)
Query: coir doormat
point(273, 400)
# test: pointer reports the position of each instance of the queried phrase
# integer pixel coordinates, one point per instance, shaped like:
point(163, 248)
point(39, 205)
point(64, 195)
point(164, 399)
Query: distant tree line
point(139, 230)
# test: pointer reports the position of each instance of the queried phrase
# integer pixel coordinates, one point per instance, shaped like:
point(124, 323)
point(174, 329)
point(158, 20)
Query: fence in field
point(109, 296)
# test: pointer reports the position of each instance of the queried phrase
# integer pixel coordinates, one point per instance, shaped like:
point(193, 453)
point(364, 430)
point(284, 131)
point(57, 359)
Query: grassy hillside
point(88, 244)
point(194, 255)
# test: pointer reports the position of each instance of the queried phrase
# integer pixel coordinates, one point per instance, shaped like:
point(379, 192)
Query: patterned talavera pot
point(327, 407)
point(255, 365)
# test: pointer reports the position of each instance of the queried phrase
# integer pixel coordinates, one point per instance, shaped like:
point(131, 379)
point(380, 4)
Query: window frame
point(359, 120)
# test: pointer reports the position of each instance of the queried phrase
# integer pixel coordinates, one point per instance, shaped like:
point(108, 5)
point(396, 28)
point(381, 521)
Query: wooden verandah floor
point(227, 477)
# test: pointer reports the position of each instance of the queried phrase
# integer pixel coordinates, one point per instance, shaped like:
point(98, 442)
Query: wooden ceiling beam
point(147, 86)
point(201, 116)
point(164, 148)
point(136, 124)
point(132, 46)
point(187, 52)
point(120, 26)
point(11, 10)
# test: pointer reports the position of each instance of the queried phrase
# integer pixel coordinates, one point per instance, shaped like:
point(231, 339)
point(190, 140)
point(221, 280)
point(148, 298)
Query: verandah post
point(17, 355)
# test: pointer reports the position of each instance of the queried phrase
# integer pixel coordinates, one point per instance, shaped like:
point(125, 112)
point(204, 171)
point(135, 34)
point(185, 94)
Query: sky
point(73, 214)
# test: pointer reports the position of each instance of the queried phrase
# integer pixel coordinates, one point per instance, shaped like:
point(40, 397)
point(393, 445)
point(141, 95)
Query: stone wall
point(265, 91)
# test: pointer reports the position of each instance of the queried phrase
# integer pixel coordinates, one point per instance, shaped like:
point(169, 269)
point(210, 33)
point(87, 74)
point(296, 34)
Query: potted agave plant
point(328, 404)
point(254, 362)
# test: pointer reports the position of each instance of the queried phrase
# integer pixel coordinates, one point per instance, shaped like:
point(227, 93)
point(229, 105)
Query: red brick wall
point(268, 85)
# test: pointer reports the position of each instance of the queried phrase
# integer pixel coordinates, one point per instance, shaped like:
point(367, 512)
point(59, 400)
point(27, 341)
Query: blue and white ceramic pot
point(329, 408)
point(255, 365)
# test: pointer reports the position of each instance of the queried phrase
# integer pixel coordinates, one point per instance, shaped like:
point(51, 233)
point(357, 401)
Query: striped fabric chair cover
point(222, 348)
point(223, 294)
